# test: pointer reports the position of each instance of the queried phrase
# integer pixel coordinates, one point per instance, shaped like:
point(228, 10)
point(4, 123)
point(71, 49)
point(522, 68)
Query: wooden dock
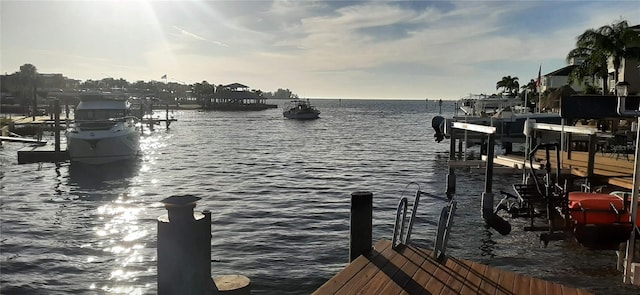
point(42, 153)
point(412, 270)
point(608, 167)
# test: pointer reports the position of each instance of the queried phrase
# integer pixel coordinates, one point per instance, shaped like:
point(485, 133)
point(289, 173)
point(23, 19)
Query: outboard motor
point(438, 125)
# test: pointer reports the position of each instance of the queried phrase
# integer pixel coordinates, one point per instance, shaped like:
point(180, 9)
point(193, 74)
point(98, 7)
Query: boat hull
point(302, 116)
point(104, 146)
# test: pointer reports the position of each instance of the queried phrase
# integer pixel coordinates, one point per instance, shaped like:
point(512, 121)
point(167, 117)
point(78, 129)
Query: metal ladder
point(402, 237)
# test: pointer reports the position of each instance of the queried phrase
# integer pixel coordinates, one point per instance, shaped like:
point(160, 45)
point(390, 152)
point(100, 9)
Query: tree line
point(26, 85)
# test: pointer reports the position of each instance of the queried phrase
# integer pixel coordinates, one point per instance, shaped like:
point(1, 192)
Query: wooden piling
point(56, 124)
point(452, 144)
point(487, 195)
point(360, 240)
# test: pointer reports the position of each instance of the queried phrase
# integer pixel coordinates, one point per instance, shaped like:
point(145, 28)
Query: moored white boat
point(507, 114)
point(103, 131)
point(301, 110)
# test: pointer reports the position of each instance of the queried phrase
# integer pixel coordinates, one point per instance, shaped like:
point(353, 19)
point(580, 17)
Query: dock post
point(592, 156)
point(184, 248)
point(166, 117)
point(451, 184)
point(490, 217)
point(487, 195)
point(460, 154)
point(451, 176)
point(56, 125)
point(452, 145)
point(151, 123)
point(360, 239)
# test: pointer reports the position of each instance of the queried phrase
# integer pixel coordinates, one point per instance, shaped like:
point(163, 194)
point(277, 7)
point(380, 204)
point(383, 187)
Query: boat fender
point(498, 224)
point(528, 127)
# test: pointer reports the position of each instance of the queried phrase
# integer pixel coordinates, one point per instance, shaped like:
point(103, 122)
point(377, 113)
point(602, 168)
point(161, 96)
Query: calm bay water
point(279, 192)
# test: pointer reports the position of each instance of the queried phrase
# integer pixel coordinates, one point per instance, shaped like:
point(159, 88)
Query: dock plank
point(353, 269)
point(456, 279)
point(439, 277)
point(375, 264)
point(505, 283)
point(553, 288)
point(421, 277)
point(383, 277)
point(340, 279)
point(617, 172)
point(412, 270)
point(403, 276)
point(521, 284)
point(473, 278)
point(489, 284)
point(537, 286)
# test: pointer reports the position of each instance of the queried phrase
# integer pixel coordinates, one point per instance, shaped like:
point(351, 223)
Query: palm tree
point(532, 86)
point(509, 84)
point(594, 65)
point(203, 92)
point(27, 78)
point(608, 43)
point(529, 90)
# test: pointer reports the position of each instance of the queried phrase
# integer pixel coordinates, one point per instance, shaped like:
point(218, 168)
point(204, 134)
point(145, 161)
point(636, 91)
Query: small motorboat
point(301, 110)
point(600, 221)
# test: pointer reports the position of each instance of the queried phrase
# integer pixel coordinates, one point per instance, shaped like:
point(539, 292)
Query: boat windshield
point(99, 114)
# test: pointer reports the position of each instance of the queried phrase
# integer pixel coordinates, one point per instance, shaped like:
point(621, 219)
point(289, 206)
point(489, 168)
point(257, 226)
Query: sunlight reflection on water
point(125, 239)
point(279, 193)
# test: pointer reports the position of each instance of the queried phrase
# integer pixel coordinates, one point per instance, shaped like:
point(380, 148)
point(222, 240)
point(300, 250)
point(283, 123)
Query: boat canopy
point(594, 106)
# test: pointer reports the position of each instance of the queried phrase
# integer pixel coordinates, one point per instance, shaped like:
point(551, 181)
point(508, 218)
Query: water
point(279, 191)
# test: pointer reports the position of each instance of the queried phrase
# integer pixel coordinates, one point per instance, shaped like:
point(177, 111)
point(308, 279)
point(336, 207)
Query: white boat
point(301, 110)
point(506, 113)
point(103, 130)
point(482, 105)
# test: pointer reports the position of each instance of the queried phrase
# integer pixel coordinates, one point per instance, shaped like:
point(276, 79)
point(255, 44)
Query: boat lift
point(488, 213)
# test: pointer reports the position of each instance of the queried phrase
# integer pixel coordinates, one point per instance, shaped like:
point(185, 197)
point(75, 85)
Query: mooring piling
point(56, 124)
point(184, 252)
point(184, 248)
point(361, 236)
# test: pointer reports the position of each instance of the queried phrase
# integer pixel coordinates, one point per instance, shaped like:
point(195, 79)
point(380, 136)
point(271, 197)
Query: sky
point(317, 49)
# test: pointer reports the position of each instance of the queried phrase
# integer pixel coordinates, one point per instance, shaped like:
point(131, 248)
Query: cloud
point(198, 37)
point(316, 48)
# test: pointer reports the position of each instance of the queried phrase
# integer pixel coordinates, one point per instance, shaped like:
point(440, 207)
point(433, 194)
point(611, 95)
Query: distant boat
point(237, 97)
point(103, 130)
point(481, 105)
point(301, 110)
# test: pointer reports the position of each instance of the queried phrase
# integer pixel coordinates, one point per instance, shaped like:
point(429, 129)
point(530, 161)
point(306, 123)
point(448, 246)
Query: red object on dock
point(592, 208)
point(600, 221)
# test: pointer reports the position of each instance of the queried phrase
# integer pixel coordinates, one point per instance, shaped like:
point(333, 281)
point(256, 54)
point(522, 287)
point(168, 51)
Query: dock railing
point(445, 222)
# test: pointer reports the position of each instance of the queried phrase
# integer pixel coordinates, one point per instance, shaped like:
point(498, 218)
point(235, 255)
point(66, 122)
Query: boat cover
point(592, 208)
